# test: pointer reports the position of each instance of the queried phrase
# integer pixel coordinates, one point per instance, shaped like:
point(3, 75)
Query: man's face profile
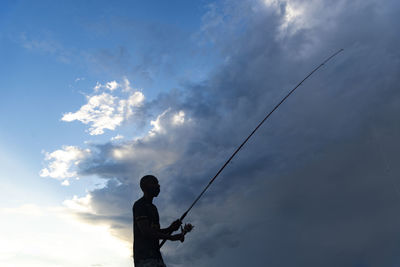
point(151, 186)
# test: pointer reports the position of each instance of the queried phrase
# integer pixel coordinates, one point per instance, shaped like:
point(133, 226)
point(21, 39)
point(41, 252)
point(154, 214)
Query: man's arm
point(172, 228)
point(144, 227)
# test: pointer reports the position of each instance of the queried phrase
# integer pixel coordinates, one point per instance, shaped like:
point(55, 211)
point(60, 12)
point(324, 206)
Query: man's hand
point(175, 225)
point(180, 237)
point(187, 228)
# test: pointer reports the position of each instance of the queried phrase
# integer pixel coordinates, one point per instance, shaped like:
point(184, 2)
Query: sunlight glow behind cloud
point(179, 118)
point(293, 15)
point(79, 204)
point(157, 125)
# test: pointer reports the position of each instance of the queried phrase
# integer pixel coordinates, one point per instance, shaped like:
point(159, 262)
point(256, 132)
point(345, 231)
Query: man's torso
point(145, 247)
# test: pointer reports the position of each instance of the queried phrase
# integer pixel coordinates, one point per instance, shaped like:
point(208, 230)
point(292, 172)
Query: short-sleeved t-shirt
point(145, 247)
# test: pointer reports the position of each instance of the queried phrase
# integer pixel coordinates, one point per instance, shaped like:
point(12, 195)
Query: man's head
point(149, 185)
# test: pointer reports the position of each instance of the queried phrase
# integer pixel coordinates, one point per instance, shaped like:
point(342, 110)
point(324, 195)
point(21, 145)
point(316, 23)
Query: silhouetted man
point(146, 226)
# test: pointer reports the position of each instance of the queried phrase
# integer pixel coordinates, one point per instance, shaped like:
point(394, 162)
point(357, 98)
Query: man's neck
point(148, 198)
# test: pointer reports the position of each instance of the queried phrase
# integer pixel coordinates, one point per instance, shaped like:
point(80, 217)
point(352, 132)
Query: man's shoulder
point(139, 209)
point(140, 200)
point(139, 203)
point(142, 203)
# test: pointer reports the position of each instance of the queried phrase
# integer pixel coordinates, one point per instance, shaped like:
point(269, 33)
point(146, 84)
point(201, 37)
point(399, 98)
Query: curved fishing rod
point(248, 137)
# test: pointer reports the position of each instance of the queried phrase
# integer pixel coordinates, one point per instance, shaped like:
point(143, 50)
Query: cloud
point(79, 204)
point(112, 85)
point(48, 46)
point(178, 118)
point(64, 162)
point(65, 183)
point(104, 110)
point(316, 185)
point(157, 123)
point(126, 85)
point(117, 137)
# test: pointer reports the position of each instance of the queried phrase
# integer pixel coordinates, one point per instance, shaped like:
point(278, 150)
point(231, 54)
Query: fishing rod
point(248, 137)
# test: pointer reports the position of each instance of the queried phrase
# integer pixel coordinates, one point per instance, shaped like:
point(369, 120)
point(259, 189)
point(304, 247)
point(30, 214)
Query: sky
point(95, 94)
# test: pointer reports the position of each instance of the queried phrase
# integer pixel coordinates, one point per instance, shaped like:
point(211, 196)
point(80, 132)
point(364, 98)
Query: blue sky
point(54, 53)
point(96, 94)
point(50, 52)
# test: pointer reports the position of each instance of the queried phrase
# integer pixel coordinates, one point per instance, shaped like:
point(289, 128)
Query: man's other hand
point(180, 237)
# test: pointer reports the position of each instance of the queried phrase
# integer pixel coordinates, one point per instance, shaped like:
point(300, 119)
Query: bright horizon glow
point(53, 237)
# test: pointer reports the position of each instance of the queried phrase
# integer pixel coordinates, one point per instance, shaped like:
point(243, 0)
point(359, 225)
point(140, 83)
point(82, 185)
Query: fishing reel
point(187, 228)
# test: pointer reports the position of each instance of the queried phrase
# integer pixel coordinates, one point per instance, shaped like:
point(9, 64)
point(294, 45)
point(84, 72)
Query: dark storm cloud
point(317, 185)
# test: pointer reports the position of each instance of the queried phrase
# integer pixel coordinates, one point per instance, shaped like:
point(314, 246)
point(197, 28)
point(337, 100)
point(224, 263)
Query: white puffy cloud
point(157, 124)
point(104, 110)
point(99, 112)
point(63, 162)
point(178, 118)
point(167, 119)
point(125, 106)
point(117, 137)
point(126, 86)
point(97, 87)
point(112, 85)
